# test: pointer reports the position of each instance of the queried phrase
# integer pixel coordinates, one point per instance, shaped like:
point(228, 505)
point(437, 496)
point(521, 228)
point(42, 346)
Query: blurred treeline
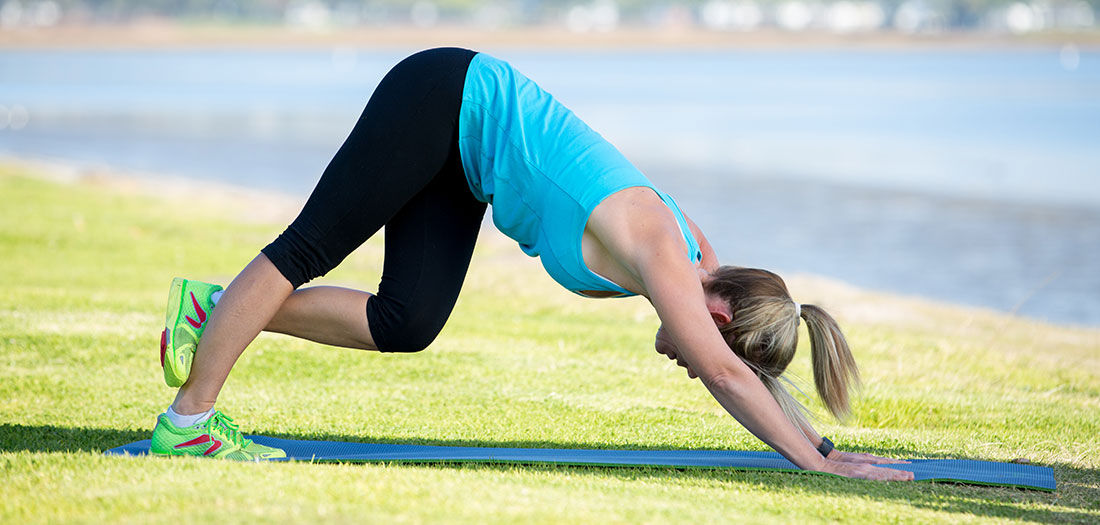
point(581, 15)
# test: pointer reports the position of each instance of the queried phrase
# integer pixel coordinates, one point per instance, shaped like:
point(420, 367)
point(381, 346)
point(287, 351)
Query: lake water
point(968, 176)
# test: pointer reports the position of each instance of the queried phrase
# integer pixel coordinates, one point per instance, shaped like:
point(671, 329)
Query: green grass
point(84, 270)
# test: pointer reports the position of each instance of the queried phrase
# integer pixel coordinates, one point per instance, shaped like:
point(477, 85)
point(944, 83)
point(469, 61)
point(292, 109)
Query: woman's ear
point(719, 310)
point(720, 318)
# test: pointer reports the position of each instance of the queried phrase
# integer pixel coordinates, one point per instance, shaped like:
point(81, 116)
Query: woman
point(446, 132)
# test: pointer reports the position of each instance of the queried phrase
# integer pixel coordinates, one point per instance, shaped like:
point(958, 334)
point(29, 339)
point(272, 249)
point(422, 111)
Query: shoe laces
point(225, 426)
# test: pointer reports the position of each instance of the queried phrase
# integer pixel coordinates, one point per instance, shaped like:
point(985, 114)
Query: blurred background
point(943, 148)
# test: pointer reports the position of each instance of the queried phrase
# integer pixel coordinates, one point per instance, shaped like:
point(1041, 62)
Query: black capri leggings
point(399, 168)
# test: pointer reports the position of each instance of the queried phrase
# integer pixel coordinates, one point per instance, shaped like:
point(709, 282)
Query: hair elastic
point(797, 309)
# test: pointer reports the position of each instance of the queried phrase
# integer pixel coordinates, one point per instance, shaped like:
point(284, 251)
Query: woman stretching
point(447, 132)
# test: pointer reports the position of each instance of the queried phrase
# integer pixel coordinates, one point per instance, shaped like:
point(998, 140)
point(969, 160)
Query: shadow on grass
point(47, 438)
point(1076, 501)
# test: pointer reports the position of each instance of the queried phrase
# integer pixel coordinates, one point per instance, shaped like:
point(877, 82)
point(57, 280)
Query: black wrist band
point(825, 447)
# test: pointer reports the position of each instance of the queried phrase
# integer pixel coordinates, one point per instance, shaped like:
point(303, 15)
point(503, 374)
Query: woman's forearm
point(811, 435)
point(750, 403)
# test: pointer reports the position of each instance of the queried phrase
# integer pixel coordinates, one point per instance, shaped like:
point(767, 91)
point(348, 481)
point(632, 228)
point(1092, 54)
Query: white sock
point(215, 296)
point(182, 421)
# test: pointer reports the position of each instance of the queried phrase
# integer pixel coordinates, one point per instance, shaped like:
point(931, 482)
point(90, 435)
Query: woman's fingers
point(852, 457)
point(867, 471)
point(878, 460)
point(885, 474)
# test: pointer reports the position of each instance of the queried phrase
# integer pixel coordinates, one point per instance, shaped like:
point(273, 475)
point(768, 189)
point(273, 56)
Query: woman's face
point(721, 314)
point(664, 345)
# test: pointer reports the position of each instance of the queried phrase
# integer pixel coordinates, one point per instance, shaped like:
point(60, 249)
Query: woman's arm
point(665, 345)
point(677, 295)
point(642, 235)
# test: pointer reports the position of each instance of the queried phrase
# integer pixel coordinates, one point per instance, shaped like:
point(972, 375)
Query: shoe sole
point(252, 460)
point(175, 372)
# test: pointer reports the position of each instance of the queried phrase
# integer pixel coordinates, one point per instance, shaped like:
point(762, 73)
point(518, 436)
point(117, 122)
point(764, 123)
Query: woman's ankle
point(185, 404)
point(184, 421)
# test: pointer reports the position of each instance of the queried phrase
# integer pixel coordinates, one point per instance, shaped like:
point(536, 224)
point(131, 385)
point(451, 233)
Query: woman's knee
point(405, 339)
point(403, 328)
point(407, 343)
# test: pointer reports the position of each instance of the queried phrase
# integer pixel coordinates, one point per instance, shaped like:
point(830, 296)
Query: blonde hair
point(764, 334)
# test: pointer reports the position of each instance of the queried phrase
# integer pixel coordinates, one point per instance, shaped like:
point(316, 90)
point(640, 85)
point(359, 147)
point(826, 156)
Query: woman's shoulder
point(634, 220)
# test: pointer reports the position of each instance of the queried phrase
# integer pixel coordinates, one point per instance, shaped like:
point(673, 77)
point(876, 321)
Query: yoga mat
point(953, 470)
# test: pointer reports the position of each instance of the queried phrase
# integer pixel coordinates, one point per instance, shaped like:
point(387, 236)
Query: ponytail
point(835, 369)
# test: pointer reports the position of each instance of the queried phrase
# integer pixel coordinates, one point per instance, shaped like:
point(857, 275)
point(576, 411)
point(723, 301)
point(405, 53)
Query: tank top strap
point(695, 254)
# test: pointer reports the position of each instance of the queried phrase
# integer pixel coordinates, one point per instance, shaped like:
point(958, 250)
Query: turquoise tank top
point(542, 169)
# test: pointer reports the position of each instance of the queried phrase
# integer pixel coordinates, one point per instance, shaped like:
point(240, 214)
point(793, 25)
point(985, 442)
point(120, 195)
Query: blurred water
point(967, 176)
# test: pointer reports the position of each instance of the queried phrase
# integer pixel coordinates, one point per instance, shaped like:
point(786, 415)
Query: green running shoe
point(217, 437)
point(189, 304)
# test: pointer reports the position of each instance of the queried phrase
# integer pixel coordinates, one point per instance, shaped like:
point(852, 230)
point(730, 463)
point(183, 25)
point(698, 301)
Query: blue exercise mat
point(955, 470)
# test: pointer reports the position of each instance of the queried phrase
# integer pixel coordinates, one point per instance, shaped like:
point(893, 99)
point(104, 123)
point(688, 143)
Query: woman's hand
point(854, 457)
point(666, 346)
point(865, 471)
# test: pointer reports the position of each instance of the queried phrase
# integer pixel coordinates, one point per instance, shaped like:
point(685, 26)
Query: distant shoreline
point(166, 35)
point(249, 205)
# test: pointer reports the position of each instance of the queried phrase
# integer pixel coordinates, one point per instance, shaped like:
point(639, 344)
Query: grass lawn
point(84, 273)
